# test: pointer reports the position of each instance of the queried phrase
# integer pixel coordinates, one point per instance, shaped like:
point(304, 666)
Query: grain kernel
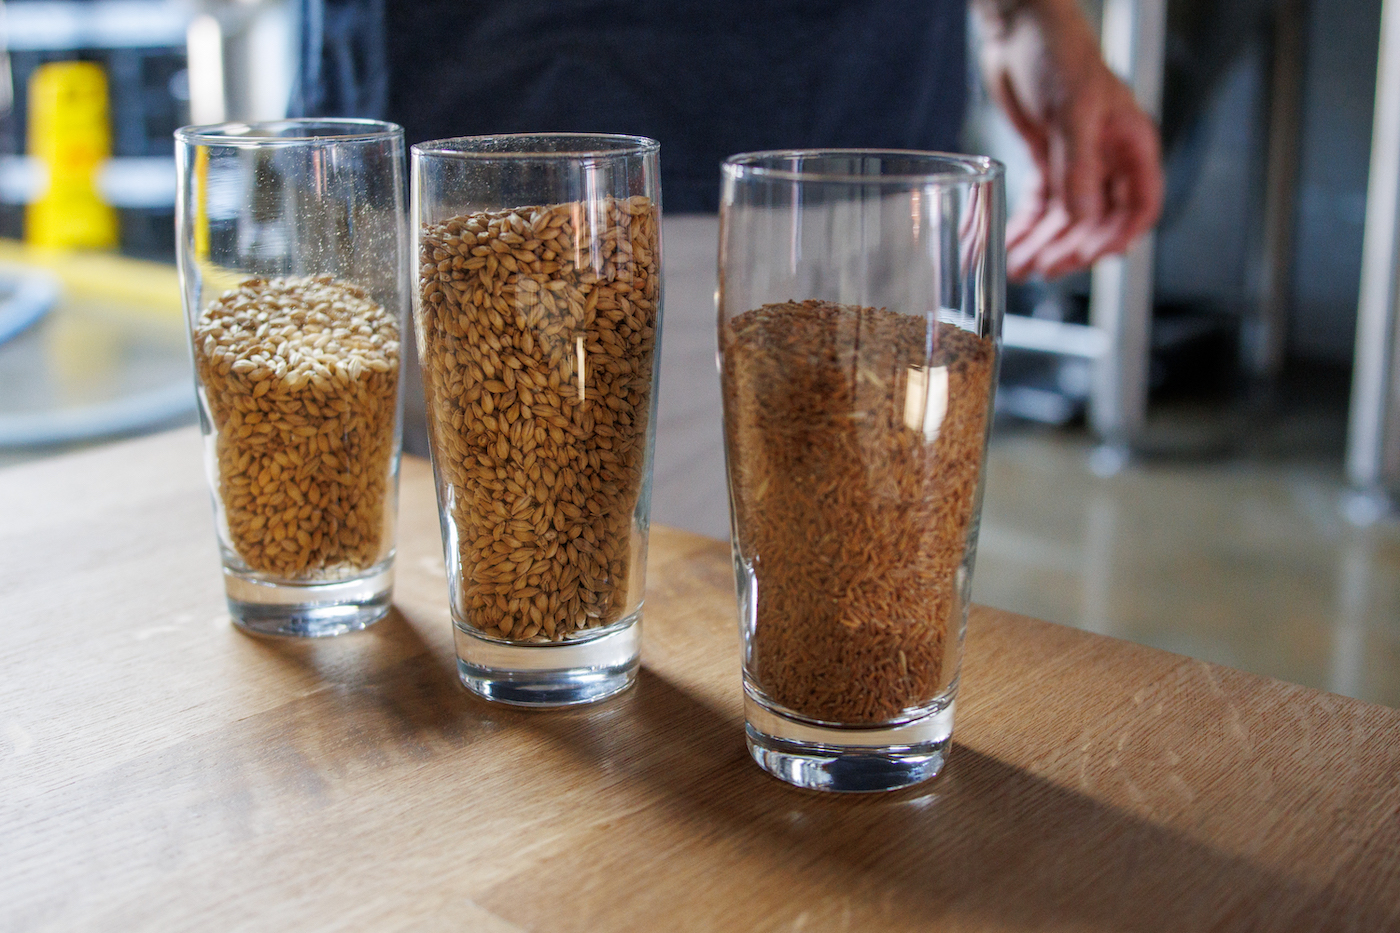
point(264, 353)
point(503, 372)
point(856, 551)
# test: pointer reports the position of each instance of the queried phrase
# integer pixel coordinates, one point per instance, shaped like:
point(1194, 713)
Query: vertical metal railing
point(1373, 439)
point(1120, 301)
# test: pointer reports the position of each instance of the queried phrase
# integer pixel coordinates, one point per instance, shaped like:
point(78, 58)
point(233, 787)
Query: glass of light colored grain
point(294, 264)
point(861, 296)
point(537, 312)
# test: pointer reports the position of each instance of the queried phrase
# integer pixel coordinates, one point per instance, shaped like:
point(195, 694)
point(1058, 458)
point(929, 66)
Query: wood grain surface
point(160, 770)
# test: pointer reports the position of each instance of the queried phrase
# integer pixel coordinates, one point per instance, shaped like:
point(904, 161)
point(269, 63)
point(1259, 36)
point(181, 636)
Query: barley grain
point(525, 396)
point(300, 378)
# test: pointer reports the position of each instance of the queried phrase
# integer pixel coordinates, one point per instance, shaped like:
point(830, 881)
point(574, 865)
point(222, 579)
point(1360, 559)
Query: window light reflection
point(926, 400)
point(581, 367)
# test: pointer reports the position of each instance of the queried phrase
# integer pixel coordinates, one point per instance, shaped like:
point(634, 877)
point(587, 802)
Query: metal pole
point(1120, 300)
point(1373, 437)
point(1266, 325)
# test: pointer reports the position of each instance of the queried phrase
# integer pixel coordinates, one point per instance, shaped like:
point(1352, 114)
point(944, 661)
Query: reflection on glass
point(926, 400)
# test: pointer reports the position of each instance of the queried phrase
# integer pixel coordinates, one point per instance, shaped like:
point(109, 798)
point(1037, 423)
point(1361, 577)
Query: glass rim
point(455, 147)
point(953, 168)
point(266, 132)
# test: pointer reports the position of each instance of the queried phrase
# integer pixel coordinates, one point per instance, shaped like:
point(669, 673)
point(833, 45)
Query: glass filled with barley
point(860, 305)
point(537, 314)
point(294, 265)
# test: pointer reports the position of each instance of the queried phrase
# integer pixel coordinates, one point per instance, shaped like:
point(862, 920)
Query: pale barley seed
point(300, 375)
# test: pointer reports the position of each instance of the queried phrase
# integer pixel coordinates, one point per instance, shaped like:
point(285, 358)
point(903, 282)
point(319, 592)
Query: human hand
point(1098, 182)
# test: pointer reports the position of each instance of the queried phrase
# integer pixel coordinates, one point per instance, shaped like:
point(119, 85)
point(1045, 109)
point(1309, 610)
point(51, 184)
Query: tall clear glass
point(860, 304)
point(538, 314)
point(293, 256)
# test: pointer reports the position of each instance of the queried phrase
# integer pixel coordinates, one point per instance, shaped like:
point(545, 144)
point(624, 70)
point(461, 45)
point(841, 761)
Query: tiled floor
point(1245, 561)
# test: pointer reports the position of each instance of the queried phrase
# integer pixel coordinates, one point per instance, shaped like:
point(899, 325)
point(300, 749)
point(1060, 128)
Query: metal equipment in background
point(1373, 444)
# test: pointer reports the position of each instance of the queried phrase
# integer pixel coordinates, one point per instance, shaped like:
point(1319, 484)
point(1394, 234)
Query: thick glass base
point(563, 674)
point(848, 758)
point(308, 610)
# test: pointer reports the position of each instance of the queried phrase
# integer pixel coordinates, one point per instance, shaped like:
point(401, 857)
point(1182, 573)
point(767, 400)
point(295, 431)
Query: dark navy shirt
point(707, 79)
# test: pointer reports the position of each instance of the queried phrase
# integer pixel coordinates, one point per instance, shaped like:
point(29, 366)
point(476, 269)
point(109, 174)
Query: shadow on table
point(390, 664)
point(987, 842)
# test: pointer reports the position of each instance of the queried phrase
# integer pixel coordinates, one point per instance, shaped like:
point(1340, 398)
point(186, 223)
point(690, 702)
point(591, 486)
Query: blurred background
point(1197, 446)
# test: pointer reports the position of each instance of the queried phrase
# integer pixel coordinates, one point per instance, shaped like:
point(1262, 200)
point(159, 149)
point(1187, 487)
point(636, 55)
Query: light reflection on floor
point(1245, 563)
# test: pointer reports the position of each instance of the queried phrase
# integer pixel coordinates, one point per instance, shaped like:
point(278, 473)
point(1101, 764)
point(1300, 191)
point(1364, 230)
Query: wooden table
point(160, 770)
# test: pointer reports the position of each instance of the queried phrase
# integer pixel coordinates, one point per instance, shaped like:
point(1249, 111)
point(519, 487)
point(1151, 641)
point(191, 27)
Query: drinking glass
point(860, 304)
point(291, 240)
point(537, 315)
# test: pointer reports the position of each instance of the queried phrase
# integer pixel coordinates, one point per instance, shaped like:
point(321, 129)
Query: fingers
point(1023, 259)
point(1076, 167)
point(1071, 246)
point(1033, 131)
point(1067, 234)
point(1140, 166)
point(1031, 207)
point(1081, 245)
point(1068, 203)
point(1029, 210)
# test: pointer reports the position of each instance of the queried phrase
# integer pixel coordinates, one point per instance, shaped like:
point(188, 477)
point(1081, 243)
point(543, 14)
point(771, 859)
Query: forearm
point(1048, 42)
point(999, 19)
